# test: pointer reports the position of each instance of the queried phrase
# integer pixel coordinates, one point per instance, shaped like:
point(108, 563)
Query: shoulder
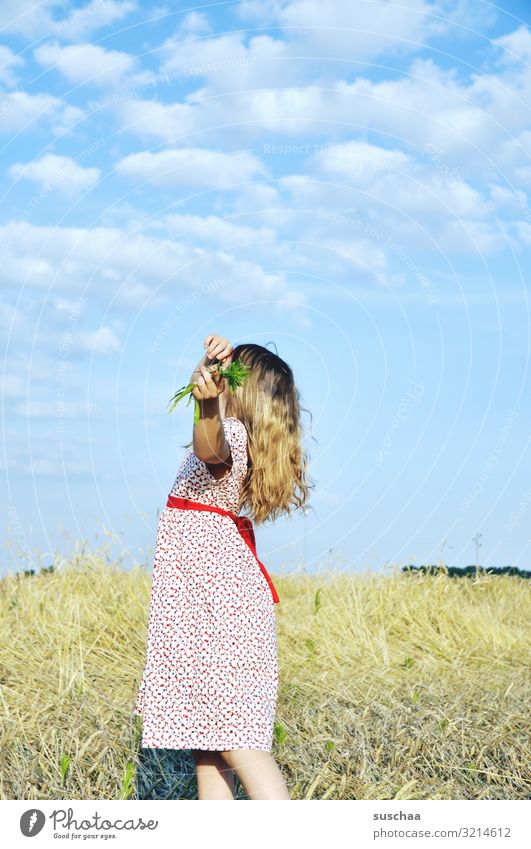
point(236, 435)
point(235, 426)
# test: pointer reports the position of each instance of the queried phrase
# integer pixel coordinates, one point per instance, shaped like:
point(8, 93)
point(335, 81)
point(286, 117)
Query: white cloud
point(403, 107)
point(13, 386)
point(132, 269)
point(226, 63)
point(258, 197)
point(411, 186)
point(212, 229)
point(30, 18)
point(90, 63)
point(479, 124)
point(67, 120)
point(360, 161)
point(312, 33)
point(397, 194)
point(35, 19)
point(9, 61)
point(93, 16)
point(516, 46)
point(57, 172)
point(364, 29)
point(194, 23)
point(194, 167)
point(153, 119)
point(20, 111)
point(54, 330)
point(101, 341)
point(524, 232)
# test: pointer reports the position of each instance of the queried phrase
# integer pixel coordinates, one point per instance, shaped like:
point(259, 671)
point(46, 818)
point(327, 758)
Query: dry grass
point(391, 687)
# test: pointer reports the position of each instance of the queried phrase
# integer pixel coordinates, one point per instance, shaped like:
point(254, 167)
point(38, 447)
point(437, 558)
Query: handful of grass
point(236, 373)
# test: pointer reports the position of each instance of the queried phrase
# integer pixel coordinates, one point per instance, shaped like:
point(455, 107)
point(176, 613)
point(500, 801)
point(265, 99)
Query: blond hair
point(269, 406)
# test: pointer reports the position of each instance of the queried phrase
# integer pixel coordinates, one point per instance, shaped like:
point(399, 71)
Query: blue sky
point(347, 183)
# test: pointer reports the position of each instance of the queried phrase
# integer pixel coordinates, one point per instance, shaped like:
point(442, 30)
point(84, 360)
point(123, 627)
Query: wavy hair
point(268, 404)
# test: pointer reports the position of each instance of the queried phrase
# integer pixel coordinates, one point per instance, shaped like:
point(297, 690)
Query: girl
point(211, 672)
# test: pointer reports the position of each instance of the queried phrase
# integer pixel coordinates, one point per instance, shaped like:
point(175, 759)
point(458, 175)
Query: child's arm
point(209, 442)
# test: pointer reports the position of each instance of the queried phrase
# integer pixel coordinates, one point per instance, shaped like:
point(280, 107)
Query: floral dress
point(211, 669)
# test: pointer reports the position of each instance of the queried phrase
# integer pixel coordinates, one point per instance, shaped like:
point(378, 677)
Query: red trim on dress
point(243, 523)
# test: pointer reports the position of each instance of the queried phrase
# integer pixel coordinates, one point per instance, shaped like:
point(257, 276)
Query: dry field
point(391, 686)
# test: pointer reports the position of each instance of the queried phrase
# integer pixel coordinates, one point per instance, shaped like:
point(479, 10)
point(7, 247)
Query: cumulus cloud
point(359, 161)
point(133, 270)
point(477, 119)
point(54, 328)
point(152, 119)
point(101, 341)
point(194, 23)
point(93, 16)
point(9, 62)
point(313, 33)
point(421, 205)
point(21, 112)
point(516, 45)
point(362, 30)
point(56, 172)
point(27, 17)
point(227, 63)
point(212, 229)
point(35, 19)
point(429, 106)
point(90, 63)
point(196, 167)
point(415, 187)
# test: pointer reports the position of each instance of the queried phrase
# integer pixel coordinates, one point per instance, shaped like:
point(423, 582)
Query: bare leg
point(215, 779)
point(258, 772)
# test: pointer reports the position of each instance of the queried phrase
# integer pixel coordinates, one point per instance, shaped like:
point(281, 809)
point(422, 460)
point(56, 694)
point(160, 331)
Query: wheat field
point(392, 686)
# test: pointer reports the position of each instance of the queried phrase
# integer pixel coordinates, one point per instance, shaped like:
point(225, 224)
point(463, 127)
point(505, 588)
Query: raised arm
point(209, 442)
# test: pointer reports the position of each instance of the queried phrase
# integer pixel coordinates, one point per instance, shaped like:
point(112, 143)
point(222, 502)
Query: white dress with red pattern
point(211, 671)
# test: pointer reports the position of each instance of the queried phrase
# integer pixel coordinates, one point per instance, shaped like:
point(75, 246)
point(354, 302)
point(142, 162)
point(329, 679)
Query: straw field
point(392, 686)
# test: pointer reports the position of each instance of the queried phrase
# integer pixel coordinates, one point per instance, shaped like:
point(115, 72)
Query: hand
point(209, 383)
point(217, 347)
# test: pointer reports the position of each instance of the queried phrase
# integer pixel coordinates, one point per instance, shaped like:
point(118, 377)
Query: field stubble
point(392, 686)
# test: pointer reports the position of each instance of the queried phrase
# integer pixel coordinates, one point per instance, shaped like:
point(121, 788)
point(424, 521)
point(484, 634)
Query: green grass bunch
point(236, 373)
